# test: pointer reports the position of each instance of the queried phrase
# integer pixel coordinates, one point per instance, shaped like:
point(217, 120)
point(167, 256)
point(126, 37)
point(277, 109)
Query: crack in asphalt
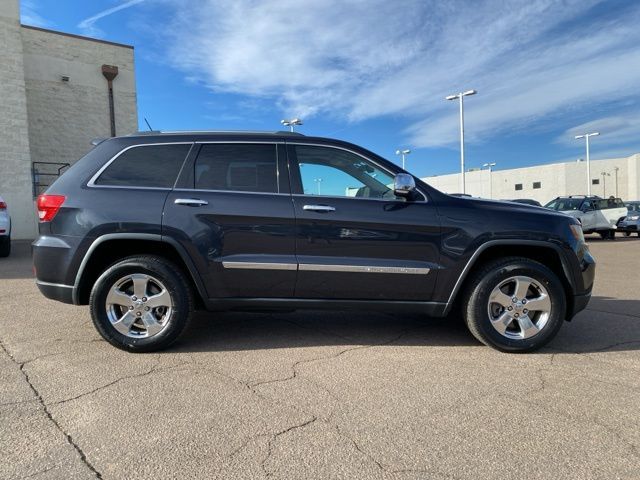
point(42, 403)
point(275, 437)
point(332, 356)
point(154, 369)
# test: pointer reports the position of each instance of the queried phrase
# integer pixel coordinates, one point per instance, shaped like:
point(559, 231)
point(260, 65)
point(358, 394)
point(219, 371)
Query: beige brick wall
point(65, 116)
point(44, 119)
point(15, 161)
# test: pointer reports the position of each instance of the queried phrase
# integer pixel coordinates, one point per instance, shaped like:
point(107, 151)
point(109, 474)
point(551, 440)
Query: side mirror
point(403, 185)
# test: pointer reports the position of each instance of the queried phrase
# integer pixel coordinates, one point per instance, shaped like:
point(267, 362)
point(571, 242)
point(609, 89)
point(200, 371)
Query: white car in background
point(5, 229)
point(631, 223)
point(596, 214)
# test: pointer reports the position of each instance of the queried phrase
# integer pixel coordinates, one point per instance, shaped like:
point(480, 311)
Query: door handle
point(319, 208)
point(190, 202)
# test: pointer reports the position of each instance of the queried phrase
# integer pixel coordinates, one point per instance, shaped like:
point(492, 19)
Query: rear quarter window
point(145, 166)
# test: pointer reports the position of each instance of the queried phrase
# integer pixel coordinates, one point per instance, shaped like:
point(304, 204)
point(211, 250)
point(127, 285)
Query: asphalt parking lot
point(321, 395)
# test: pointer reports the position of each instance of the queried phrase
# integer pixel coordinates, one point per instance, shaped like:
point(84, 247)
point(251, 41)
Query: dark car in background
point(147, 228)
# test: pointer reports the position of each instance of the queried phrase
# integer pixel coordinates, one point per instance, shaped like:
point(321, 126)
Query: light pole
point(404, 152)
point(318, 182)
point(461, 96)
point(489, 165)
point(291, 123)
point(604, 183)
point(616, 170)
point(586, 139)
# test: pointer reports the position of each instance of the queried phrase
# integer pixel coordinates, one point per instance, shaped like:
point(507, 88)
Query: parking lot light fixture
point(404, 152)
point(489, 166)
point(291, 123)
point(460, 96)
point(586, 137)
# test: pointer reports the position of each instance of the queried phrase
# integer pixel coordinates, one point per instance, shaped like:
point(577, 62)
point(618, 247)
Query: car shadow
point(604, 327)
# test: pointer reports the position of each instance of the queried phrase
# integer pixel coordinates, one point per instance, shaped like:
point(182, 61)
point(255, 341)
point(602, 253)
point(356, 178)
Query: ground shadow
point(604, 327)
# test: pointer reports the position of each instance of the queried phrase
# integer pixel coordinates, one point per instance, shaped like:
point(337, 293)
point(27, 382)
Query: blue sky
point(376, 72)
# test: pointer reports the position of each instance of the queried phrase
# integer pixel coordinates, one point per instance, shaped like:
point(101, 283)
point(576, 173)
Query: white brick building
point(54, 100)
point(545, 182)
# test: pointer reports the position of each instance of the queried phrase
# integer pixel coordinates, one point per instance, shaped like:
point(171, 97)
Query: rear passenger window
point(145, 166)
point(237, 167)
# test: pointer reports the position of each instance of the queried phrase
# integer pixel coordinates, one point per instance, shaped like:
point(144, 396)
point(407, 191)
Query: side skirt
point(432, 309)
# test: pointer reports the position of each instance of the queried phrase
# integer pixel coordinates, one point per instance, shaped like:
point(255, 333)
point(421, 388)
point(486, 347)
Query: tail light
point(48, 206)
point(3, 205)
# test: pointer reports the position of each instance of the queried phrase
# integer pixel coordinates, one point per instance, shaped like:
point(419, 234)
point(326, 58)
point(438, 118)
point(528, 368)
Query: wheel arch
point(546, 253)
point(108, 249)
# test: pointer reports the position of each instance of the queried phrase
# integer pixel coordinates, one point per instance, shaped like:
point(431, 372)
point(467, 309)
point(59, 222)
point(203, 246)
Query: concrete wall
point(555, 179)
point(15, 160)
point(45, 119)
point(65, 116)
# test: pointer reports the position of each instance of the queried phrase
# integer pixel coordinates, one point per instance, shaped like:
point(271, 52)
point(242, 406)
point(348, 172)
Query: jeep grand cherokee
point(146, 228)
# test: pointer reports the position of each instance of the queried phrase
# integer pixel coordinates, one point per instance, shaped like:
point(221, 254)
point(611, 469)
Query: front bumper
point(628, 227)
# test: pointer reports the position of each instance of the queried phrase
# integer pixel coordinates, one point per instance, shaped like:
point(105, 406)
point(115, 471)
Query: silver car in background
point(5, 229)
point(631, 223)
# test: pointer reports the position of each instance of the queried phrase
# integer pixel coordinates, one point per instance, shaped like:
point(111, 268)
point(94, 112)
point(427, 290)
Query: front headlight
point(633, 217)
point(576, 231)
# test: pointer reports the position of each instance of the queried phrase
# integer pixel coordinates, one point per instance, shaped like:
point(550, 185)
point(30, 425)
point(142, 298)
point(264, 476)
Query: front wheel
point(514, 305)
point(141, 303)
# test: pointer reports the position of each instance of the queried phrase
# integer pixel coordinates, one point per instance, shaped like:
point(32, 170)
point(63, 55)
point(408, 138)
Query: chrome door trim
point(316, 267)
point(260, 266)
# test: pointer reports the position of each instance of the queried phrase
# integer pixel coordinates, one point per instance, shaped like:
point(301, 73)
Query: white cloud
point(614, 130)
point(531, 60)
point(88, 24)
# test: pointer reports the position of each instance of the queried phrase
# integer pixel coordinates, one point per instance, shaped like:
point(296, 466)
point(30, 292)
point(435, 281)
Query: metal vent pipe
point(110, 72)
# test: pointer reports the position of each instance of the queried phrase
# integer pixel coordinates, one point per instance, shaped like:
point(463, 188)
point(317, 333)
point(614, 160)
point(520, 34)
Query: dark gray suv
point(149, 227)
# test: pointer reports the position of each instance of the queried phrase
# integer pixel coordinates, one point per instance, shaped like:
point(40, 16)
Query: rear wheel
point(514, 305)
point(141, 303)
point(5, 246)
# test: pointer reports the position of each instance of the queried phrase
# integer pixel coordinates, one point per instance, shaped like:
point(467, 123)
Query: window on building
point(537, 185)
point(237, 167)
point(145, 166)
point(595, 181)
point(518, 186)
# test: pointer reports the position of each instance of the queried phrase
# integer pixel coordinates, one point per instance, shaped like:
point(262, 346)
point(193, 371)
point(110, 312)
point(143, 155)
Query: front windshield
point(633, 207)
point(564, 204)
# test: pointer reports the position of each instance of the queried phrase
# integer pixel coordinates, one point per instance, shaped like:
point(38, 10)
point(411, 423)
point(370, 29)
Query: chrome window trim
point(260, 266)
point(381, 167)
point(203, 190)
point(317, 267)
point(91, 183)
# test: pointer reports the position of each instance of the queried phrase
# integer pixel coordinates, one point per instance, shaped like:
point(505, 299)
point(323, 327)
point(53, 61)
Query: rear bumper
point(56, 291)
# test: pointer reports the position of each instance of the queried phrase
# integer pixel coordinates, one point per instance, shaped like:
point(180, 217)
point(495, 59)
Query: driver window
point(587, 206)
point(337, 173)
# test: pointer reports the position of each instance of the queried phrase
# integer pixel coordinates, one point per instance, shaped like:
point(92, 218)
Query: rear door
point(233, 214)
point(356, 240)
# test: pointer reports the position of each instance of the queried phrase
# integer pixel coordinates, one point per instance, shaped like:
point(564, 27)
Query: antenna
point(148, 125)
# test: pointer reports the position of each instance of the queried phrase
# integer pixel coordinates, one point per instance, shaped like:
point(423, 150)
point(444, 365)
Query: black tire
point(5, 246)
point(487, 278)
point(174, 281)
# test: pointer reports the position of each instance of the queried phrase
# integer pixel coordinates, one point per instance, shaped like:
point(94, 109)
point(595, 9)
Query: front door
point(355, 239)
point(234, 217)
